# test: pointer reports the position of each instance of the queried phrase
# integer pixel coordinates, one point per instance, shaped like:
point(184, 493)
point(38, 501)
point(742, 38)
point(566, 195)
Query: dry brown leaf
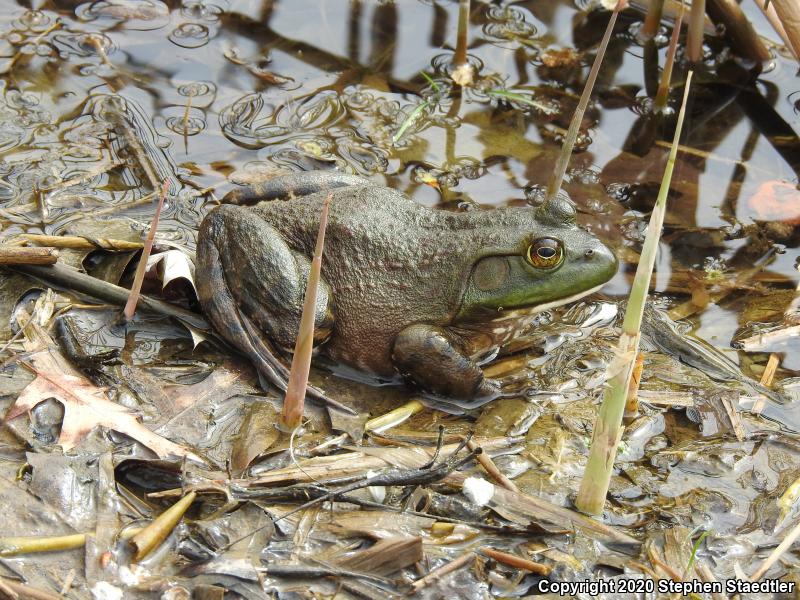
point(776, 201)
point(171, 265)
point(85, 404)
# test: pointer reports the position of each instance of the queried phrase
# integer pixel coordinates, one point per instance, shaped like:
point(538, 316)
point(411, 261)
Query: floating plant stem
point(432, 82)
point(294, 401)
point(523, 99)
point(666, 76)
point(607, 427)
point(413, 116)
point(572, 133)
point(130, 306)
point(11, 546)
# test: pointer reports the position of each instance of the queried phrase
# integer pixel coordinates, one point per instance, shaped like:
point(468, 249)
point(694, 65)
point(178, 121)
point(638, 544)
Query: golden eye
point(545, 253)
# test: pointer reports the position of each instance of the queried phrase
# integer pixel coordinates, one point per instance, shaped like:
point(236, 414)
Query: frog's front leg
point(251, 286)
point(434, 358)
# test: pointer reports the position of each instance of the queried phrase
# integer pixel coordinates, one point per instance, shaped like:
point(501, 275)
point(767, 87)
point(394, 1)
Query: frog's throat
point(538, 308)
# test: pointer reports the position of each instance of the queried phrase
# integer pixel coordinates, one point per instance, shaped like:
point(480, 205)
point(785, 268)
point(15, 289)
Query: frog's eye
point(545, 253)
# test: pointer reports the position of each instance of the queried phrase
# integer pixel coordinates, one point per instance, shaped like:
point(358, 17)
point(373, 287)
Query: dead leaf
point(220, 382)
point(173, 264)
point(256, 434)
point(85, 404)
point(776, 201)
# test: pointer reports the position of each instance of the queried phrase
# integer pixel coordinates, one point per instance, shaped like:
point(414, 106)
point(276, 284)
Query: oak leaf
point(85, 404)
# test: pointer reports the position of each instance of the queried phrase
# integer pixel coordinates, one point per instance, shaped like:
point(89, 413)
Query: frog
point(407, 292)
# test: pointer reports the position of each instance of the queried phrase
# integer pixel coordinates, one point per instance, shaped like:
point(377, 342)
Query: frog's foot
point(434, 359)
point(294, 184)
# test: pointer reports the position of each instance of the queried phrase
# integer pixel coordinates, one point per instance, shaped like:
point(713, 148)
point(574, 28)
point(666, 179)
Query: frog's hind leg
point(252, 288)
point(295, 184)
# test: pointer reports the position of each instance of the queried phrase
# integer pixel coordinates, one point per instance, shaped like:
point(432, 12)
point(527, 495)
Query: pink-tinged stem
point(136, 288)
point(295, 398)
point(663, 89)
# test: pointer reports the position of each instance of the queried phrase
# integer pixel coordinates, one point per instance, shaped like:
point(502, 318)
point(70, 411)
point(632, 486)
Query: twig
point(512, 560)
point(453, 565)
point(34, 42)
point(491, 468)
point(774, 359)
point(776, 554)
point(130, 306)
point(758, 342)
point(22, 255)
point(103, 168)
point(23, 590)
point(72, 279)
point(394, 477)
point(81, 242)
point(770, 369)
point(132, 204)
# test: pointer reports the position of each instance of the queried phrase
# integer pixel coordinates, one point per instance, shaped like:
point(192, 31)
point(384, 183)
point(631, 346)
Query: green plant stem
point(572, 133)
point(607, 427)
point(413, 116)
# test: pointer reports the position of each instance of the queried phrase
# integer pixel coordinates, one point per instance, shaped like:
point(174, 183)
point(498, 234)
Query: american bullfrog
point(406, 290)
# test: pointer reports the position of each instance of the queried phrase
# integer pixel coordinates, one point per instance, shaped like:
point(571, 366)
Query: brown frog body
point(403, 285)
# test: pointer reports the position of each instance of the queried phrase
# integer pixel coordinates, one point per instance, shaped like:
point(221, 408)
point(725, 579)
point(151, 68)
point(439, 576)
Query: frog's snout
point(601, 260)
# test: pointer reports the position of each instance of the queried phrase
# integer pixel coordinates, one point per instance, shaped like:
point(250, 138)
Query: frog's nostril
point(589, 253)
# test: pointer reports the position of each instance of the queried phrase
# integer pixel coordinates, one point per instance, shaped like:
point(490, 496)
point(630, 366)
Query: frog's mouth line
point(538, 308)
point(562, 301)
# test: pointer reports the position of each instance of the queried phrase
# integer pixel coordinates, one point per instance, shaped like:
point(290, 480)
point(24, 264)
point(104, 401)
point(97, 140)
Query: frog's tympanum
point(406, 289)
